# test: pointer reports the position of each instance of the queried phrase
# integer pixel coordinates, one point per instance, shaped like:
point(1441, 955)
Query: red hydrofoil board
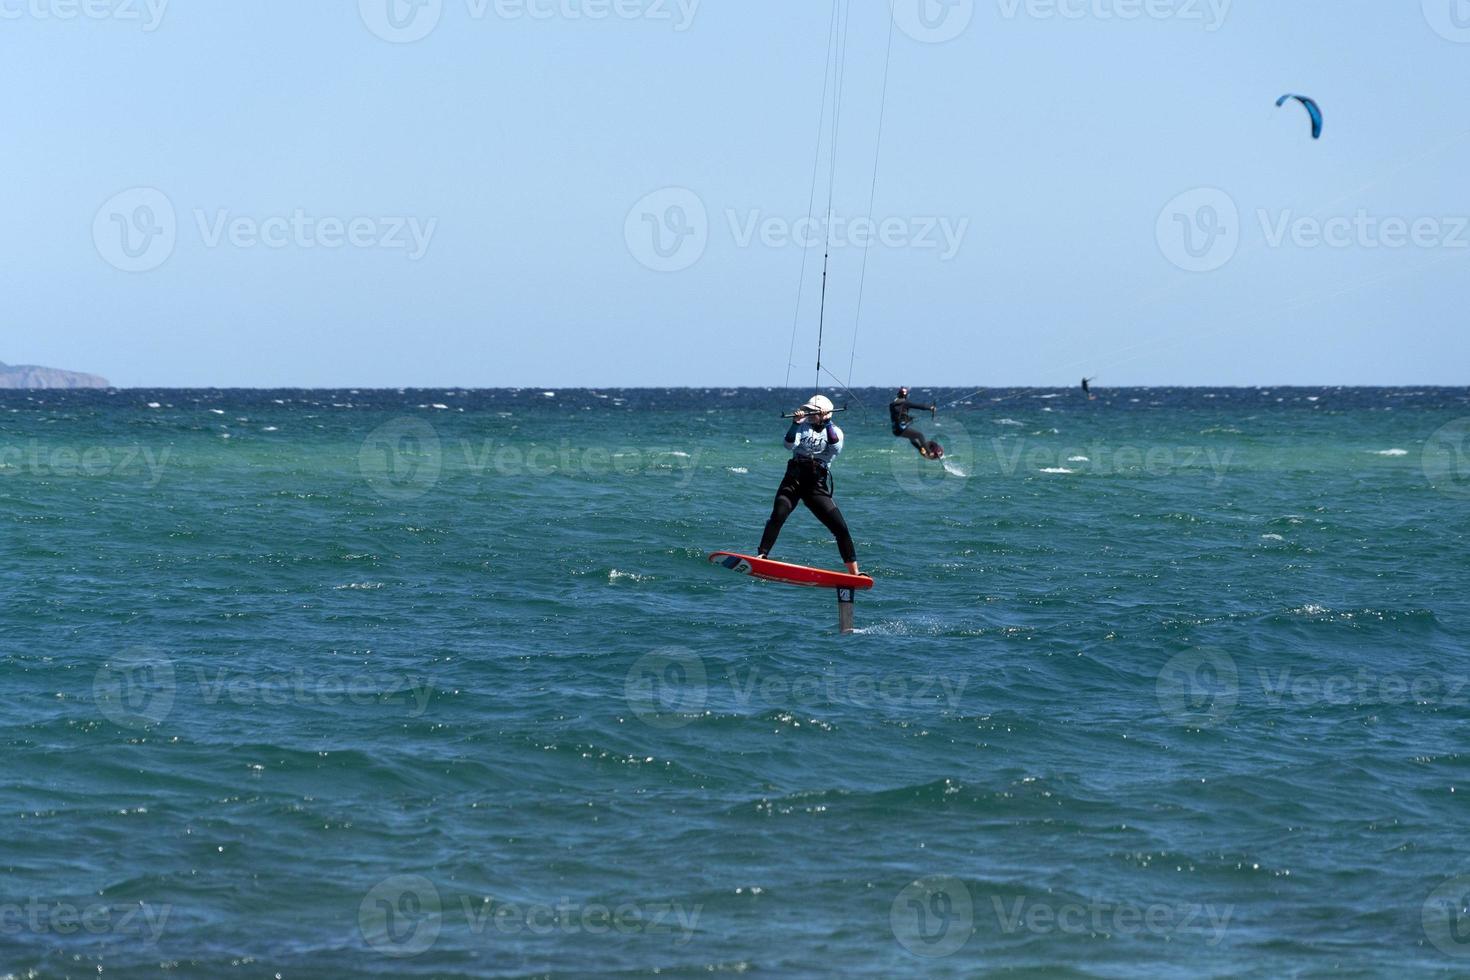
point(779, 571)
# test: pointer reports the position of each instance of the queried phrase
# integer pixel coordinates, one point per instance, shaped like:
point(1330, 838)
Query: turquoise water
point(438, 683)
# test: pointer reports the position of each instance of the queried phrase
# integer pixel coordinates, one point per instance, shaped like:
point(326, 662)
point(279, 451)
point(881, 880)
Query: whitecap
point(1008, 422)
point(1078, 459)
point(1057, 469)
point(1272, 537)
point(737, 469)
point(1392, 452)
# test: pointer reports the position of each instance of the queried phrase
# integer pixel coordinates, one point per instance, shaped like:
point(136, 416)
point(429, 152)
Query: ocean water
point(439, 683)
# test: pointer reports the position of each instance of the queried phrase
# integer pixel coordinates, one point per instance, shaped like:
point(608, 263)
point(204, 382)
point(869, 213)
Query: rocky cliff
point(31, 376)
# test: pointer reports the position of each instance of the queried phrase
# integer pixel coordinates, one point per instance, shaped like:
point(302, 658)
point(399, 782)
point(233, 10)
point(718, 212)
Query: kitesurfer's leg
point(914, 436)
point(786, 496)
point(818, 499)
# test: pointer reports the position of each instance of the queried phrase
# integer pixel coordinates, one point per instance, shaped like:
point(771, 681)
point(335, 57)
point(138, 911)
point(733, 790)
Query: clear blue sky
point(520, 136)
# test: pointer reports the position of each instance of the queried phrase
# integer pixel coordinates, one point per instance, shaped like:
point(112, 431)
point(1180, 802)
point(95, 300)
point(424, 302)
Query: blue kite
point(1313, 110)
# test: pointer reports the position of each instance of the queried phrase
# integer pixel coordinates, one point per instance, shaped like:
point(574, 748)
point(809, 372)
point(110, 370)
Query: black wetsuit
point(898, 411)
point(808, 481)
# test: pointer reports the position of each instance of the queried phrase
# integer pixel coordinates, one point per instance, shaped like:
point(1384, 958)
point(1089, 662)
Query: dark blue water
point(438, 683)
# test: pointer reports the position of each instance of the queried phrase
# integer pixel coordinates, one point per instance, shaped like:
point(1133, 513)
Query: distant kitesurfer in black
point(814, 442)
point(903, 423)
point(1087, 388)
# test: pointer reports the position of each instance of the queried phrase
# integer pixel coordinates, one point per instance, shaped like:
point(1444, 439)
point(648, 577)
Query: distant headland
point(31, 376)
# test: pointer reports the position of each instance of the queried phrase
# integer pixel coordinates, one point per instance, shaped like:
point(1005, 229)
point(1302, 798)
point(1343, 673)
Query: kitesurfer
point(898, 412)
point(1087, 387)
point(814, 442)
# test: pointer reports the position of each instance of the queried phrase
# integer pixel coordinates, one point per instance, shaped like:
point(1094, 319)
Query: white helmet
point(820, 404)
